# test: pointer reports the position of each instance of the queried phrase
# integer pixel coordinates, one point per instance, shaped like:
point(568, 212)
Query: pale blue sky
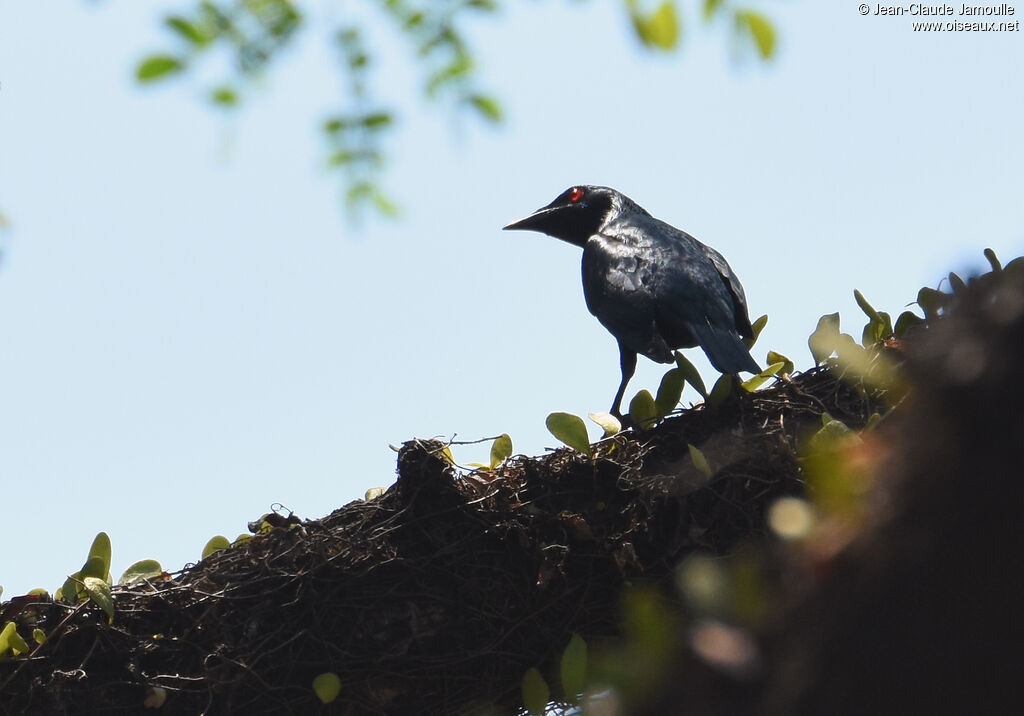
point(191, 331)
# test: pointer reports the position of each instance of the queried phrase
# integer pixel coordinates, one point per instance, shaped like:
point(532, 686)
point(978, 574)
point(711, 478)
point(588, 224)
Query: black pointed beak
point(537, 221)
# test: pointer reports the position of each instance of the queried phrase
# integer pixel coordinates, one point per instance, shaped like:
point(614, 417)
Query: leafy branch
point(252, 34)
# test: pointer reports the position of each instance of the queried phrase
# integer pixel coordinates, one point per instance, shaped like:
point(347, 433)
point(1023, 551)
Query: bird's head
point(575, 214)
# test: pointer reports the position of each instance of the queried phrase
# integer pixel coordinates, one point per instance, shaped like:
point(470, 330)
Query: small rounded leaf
point(488, 107)
point(224, 96)
point(699, 461)
point(642, 409)
point(822, 341)
point(608, 422)
point(661, 28)
point(758, 326)
point(327, 686)
point(669, 392)
point(99, 592)
point(760, 29)
point(143, 569)
point(536, 693)
point(101, 549)
point(68, 592)
point(720, 391)
point(157, 66)
point(763, 377)
point(868, 309)
point(187, 30)
point(571, 430)
point(501, 449)
point(11, 640)
point(690, 374)
point(215, 545)
point(787, 365)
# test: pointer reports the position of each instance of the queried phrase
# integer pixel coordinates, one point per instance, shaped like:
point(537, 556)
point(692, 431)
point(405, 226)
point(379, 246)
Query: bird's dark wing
point(699, 300)
point(739, 299)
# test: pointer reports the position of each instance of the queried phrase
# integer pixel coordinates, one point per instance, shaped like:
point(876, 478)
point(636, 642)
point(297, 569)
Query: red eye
point(575, 194)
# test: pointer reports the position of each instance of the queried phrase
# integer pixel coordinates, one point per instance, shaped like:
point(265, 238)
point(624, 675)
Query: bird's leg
point(627, 361)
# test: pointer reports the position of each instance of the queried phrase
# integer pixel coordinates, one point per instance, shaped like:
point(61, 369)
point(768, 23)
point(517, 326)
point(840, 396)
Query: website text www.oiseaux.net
point(951, 18)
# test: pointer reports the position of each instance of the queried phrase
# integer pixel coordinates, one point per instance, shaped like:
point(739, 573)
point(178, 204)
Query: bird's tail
point(725, 350)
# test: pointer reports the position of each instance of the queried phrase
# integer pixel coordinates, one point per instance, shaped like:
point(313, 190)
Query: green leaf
point(215, 545)
point(822, 341)
point(536, 693)
point(761, 378)
point(364, 191)
point(720, 392)
point(699, 461)
point(101, 550)
point(93, 567)
point(501, 450)
point(327, 686)
point(710, 8)
point(669, 392)
point(690, 374)
point(760, 29)
point(143, 569)
point(608, 422)
point(157, 66)
point(39, 636)
point(99, 592)
point(642, 410)
point(758, 326)
point(360, 191)
point(69, 591)
point(187, 30)
point(377, 120)
point(571, 430)
point(11, 640)
point(458, 68)
point(573, 668)
point(876, 330)
point(488, 107)
point(864, 305)
point(224, 96)
point(787, 365)
point(659, 29)
point(384, 205)
point(335, 125)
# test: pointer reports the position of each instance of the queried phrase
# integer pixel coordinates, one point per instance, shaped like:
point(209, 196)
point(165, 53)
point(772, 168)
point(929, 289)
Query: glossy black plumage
point(654, 287)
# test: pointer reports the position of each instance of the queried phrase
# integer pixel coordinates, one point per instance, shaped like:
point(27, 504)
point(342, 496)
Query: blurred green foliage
point(252, 35)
